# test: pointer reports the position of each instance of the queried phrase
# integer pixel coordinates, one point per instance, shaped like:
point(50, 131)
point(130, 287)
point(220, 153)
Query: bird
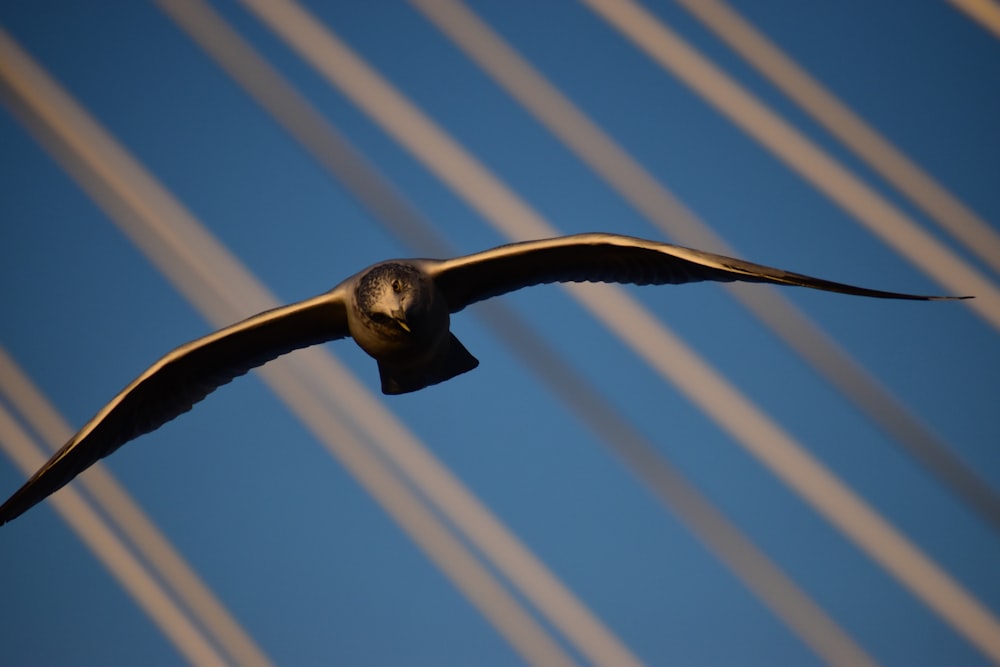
point(398, 311)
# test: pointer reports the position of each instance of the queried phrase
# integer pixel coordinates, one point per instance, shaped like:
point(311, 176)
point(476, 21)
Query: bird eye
point(395, 286)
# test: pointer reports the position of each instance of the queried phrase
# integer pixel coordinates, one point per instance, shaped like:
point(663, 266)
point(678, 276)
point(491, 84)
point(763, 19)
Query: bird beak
point(399, 317)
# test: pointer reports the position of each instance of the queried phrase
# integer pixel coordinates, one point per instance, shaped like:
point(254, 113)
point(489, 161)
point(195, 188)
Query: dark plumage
point(399, 313)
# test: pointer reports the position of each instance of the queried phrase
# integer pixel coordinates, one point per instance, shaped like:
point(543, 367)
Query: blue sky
point(289, 541)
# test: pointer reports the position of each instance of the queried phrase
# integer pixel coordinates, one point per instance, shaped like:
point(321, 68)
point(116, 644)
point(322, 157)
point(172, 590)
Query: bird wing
point(608, 258)
point(172, 385)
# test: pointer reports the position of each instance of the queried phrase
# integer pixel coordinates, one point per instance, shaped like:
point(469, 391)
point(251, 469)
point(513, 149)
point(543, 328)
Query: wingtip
point(19, 503)
point(7, 514)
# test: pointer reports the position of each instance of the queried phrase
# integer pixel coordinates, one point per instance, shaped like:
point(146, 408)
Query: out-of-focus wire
point(920, 187)
point(116, 558)
point(649, 338)
point(132, 522)
point(795, 149)
point(983, 12)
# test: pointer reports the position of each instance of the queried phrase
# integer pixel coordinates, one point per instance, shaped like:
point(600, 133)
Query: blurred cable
point(867, 143)
point(116, 558)
point(317, 136)
point(650, 339)
point(132, 522)
point(795, 149)
point(314, 385)
point(637, 186)
point(984, 12)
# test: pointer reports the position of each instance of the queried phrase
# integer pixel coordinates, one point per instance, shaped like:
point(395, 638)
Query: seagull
point(398, 311)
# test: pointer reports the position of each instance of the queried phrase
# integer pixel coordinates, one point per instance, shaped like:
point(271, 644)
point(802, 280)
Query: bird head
point(395, 298)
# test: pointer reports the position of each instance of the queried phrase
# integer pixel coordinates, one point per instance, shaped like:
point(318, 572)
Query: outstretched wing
point(172, 385)
point(609, 258)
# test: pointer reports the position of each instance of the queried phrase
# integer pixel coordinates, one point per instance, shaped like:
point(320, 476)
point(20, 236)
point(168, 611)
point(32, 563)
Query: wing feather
point(172, 385)
point(609, 258)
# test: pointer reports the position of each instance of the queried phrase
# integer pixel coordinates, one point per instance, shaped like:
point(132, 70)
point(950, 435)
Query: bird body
point(399, 313)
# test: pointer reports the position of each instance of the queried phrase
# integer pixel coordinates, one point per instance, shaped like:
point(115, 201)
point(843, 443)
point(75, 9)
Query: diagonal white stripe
point(944, 208)
point(984, 12)
point(110, 551)
point(132, 522)
point(878, 215)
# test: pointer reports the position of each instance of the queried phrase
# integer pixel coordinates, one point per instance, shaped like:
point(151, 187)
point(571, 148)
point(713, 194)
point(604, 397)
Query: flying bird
point(398, 311)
